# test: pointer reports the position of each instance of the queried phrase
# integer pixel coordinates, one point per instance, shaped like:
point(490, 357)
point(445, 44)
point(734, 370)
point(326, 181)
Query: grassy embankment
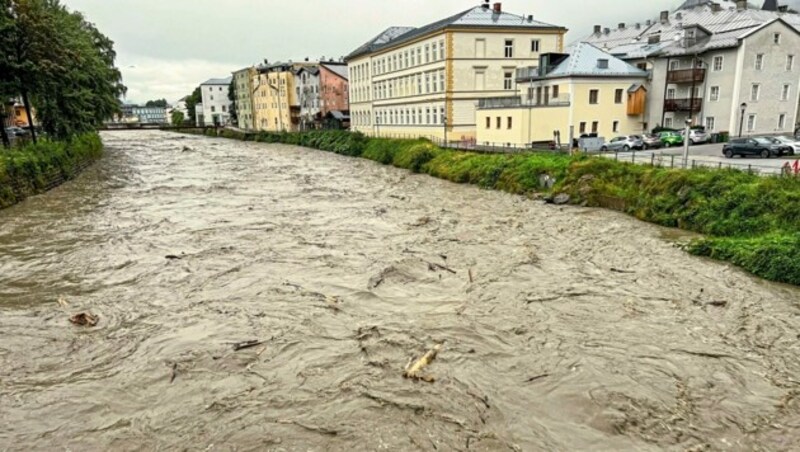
point(749, 220)
point(35, 168)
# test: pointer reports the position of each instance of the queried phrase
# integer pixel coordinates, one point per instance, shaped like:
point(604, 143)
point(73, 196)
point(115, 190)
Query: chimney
point(498, 8)
point(716, 7)
point(606, 30)
point(741, 5)
point(530, 18)
point(621, 25)
point(598, 29)
point(638, 26)
point(770, 5)
point(679, 16)
point(664, 17)
point(649, 22)
point(485, 4)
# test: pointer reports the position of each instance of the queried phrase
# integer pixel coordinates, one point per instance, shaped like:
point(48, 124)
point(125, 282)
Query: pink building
point(334, 89)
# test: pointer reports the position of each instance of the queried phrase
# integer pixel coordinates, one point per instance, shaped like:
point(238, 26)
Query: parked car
point(625, 143)
point(765, 147)
point(788, 141)
point(651, 141)
point(698, 136)
point(670, 139)
point(16, 131)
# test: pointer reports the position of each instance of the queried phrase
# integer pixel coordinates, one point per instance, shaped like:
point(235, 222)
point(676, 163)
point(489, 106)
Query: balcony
point(696, 75)
point(686, 105)
point(563, 100)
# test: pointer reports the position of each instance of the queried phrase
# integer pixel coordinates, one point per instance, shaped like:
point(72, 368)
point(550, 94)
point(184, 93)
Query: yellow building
point(416, 82)
point(583, 93)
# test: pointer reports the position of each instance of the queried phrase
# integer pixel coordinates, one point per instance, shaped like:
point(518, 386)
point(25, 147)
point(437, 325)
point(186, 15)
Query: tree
point(56, 60)
point(177, 118)
point(232, 97)
point(162, 103)
point(191, 102)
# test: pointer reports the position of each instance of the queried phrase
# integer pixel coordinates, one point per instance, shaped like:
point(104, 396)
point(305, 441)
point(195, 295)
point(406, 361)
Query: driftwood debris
point(174, 373)
point(333, 302)
point(246, 344)
point(414, 371)
point(434, 267)
point(471, 278)
point(63, 302)
point(173, 257)
point(85, 319)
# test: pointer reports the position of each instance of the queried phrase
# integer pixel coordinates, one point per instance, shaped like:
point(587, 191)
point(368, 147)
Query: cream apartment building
point(566, 96)
point(427, 81)
point(243, 83)
point(726, 65)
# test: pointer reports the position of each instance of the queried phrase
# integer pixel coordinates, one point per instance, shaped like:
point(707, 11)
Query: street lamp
point(741, 119)
point(444, 126)
point(686, 143)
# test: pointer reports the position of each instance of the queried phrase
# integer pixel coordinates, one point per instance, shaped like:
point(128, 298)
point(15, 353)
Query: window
point(508, 80)
point(751, 123)
point(776, 38)
point(713, 94)
point(441, 81)
point(427, 82)
point(782, 121)
point(642, 66)
point(674, 65)
point(618, 96)
point(717, 63)
point(785, 92)
point(210, 88)
point(441, 49)
point(593, 96)
point(488, 122)
point(595, 126)
point(760, 61)
point(435, 52)
point(582, 127)
point(224, 108)
point(555, 91)
point(419, 83)
point(534, 45)
point(789, 63)
point(499, 122)
point(213, 109)
point(220, 88)
point(427, 54)
point(668, 123)
point(755, 92)
point(710, 123)
point(671, 93)
point(509, 122)
point(615, 126)
point(212, 97)
point(509, 48)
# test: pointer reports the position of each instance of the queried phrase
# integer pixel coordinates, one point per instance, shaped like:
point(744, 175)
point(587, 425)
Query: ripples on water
point(583, 329)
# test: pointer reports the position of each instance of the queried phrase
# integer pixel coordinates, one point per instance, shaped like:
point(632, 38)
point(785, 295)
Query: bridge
point(148, 126)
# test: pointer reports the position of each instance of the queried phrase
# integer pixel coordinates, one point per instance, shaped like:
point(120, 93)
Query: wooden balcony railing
point(690, 105)
point(696, 75)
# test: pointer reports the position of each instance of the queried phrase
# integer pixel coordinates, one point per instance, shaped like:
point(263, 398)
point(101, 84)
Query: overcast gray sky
point(167, 47)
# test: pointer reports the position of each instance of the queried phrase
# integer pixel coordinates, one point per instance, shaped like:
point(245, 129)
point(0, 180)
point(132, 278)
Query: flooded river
point(562, 328)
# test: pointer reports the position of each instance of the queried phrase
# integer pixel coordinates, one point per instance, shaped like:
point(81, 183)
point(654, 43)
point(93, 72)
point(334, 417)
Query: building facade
point(334, 89)
point(243, 86)
point(566, 96)
point(215, 103)
point(276, 101)
point(150, 115)
point(426, 81)
point(307, 89)
point(721, 64)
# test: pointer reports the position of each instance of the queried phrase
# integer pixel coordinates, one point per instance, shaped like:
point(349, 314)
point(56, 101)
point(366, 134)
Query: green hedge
point(32, 167)
point(749, 220)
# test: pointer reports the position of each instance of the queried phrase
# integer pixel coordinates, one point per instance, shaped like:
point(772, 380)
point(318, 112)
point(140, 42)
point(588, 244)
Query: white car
point(788, 141)
point(698, 136)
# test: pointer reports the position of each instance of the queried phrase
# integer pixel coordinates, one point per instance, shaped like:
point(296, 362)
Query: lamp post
point(444, 126)
point(741, 119)
point(686, 143)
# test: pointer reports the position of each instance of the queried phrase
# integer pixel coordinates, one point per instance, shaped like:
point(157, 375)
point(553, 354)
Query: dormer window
point(602, 63)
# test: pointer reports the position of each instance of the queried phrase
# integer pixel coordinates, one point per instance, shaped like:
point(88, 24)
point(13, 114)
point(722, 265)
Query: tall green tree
point(59, 63)
point(157, 103)
point(191, 102)
point(177, 118)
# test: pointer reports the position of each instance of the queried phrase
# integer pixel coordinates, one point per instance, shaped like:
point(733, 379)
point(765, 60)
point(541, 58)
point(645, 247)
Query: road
point(706, 155)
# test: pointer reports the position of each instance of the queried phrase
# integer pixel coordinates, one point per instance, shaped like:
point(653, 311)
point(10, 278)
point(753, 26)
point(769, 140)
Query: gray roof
point(338, 69)
point(218, 81)
point(479, 16)
point(726, 25)
point(583, 62)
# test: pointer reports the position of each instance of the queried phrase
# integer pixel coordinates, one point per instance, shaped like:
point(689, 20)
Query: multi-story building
point(585, 92)
point(334, 89)
point(426, 81)
point(721, 64)
point(243, 88)
point(150, 115)
point(276, 100)
point(216, 105)
point(307, 89)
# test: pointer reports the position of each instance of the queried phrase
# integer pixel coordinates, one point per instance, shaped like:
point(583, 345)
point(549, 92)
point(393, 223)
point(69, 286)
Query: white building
point(179, 106)
point(306, 82)
point(723, 64)
point(215, 103)
point(423, 81)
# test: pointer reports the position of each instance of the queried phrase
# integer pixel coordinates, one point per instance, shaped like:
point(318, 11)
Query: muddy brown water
point(582, 329)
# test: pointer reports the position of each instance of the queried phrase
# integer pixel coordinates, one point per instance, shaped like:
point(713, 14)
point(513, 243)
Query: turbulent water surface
point(562, 328)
